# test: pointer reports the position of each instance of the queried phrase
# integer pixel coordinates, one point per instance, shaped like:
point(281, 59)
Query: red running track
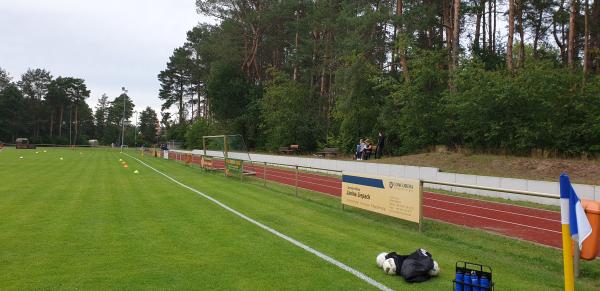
point(536, 225)
point(530, 224)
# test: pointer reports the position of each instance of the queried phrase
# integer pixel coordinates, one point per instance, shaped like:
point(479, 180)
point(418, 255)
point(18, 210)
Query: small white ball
point(436, 269)
point(389, 266)
point(380, 259)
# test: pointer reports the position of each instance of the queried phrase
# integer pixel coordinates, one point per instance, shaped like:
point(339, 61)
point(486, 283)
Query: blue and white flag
point(572, 212)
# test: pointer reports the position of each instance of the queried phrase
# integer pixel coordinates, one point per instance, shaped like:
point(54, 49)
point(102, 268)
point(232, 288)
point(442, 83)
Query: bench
point(290, 150)
point(328, 152)
point(284, 150)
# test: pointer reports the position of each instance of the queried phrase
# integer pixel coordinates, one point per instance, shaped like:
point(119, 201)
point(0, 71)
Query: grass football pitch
point(86, 222)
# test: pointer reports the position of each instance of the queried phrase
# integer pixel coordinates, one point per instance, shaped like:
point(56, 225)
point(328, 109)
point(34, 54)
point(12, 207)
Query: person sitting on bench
point(366, 153)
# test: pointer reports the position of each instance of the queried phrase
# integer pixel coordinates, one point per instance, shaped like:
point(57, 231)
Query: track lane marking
point(493, 202)
point(493, 219)
point(491, 209)
point(299, 244)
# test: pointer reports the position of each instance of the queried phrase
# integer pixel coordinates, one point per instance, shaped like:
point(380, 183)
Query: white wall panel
point(584, 191)
point(428, 173)
point(411, 172)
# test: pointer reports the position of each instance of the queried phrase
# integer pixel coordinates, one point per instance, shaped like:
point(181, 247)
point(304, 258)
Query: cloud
point(109, 43)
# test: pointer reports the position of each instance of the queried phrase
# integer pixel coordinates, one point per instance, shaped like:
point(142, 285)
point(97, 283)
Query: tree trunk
point(483, 24)
point(586, 44)
point(511, 31)
point(455, 33)
point(330, 104)
point(251, 53)
point(521, 63)
point(322, 87)
point(206, 109)
point(559, 40)
point(52, 122)
point(494, 29)
point(394, 49)
point(60, 121)
point(322, 82)
point(401, 44)
point(447, 16)
point(478, 24)
point(538, 29)
point(564, 41)
point(296, 43)
point(71, 125)
point(76, 124)
point(192, 110)
point(490, 36)
point(594, 58)
point(572, 31)
point(455, 43)
point(181, 115)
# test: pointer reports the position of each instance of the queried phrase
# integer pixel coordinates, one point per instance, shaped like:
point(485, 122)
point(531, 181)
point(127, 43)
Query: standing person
point(380, 144)
point(360, 147)
point(358, 153)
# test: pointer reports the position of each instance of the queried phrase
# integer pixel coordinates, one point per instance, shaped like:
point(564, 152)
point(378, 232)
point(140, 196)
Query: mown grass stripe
point(273, 231)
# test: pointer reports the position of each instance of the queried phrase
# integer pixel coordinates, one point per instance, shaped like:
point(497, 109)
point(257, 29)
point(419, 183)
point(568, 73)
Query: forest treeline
point(486, 75)
point(50, 110)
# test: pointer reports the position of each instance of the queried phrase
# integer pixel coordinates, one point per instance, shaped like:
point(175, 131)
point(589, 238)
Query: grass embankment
point(85, 222)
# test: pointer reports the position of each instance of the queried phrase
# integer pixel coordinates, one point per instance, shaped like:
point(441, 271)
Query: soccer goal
point(227, 153)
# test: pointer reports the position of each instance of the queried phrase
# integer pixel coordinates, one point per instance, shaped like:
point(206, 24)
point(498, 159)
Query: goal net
point(227, 153)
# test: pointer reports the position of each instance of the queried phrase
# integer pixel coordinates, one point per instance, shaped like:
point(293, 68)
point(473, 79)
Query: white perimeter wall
point(590, 192)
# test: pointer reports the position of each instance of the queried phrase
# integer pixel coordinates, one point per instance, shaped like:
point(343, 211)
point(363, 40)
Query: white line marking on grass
point(277, 233)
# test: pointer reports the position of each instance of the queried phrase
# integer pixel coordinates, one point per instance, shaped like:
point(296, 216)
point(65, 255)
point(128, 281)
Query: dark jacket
point(414, 267)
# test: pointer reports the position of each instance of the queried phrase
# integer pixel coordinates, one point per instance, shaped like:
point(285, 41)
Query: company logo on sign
point(393, 185)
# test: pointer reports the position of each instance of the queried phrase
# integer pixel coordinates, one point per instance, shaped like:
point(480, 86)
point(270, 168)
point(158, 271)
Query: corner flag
point(579, 225)
point(574, 225)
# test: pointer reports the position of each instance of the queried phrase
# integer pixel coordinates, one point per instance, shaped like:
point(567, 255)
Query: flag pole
point(576, 256)
point(566, 233)
point(567, 258)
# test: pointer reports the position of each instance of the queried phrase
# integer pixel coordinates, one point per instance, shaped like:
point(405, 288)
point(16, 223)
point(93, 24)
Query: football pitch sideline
point(87, 222)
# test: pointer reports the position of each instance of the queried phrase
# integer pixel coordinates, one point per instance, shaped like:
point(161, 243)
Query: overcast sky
point(109, 43)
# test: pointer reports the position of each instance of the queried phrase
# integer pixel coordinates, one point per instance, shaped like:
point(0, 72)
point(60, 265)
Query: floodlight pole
point(225, 154)
point(135, 131)
point(123, 130)
point(70, 123)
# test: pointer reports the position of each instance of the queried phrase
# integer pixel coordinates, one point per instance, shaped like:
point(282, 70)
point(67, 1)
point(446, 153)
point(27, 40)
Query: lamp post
point(123, 130)
point(70, 123)
point(135, 130)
